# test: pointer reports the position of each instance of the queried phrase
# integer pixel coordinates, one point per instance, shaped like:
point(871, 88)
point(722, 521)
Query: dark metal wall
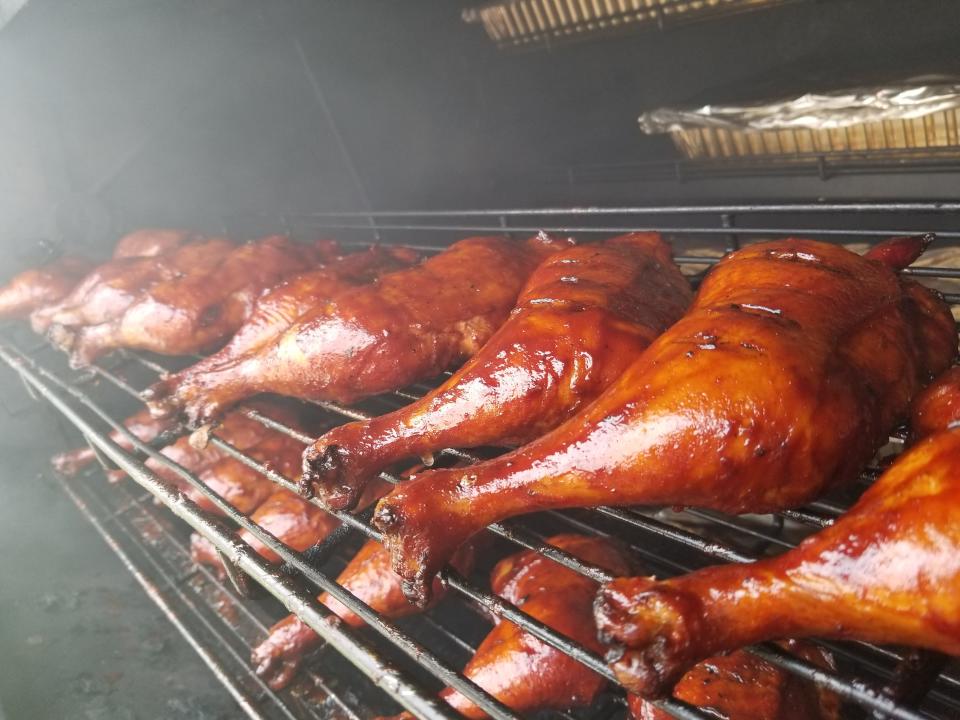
point(122, 112)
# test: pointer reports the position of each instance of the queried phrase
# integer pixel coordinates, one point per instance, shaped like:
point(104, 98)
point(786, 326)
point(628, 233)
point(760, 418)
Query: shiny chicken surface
point(408, 326)
point(725, 410)
point(237, 429)
point(369, 577)
point(285, 515)
point(274, 312)
point(887, 571)
point(109, 289)
point(242, 486)
point(743, 686)
point(196, 312)
point(143, 426)
point(583, 317)
point(521, 671)
point(38, 287)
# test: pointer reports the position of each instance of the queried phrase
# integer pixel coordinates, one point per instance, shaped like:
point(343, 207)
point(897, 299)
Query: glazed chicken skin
point(369, 577)
point(295, 522)
point(743, 686)
point(522, 672)
point(289, 518)
point(274, 312)
point(583, 317)
point(38, 287)
point(112, 287)
point(149, 242)
point(887, 571)
point(410, 325)
point(242, 486)
point(48, 284)
point(144, 427)
point(725, 410)
point(199, 311)
point(237, 429)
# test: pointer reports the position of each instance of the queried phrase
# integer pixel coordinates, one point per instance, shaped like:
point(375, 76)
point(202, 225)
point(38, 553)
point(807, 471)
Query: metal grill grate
point(409, 660)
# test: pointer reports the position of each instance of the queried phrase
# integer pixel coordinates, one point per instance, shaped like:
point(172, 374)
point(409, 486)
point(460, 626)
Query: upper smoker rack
point(65, 395)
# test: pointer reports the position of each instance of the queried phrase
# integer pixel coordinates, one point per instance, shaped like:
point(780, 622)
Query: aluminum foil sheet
point(813, 111)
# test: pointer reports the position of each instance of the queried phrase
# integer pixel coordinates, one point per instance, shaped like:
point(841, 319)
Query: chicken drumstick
point(369, 577)
point(743, 686)
point(109, 289)
point(149, 242)
point(410, 325)
point(794, 363)
point(888, 571)
point(521, 671)
point(583, 317)
point(194, 313)
point(274, 312)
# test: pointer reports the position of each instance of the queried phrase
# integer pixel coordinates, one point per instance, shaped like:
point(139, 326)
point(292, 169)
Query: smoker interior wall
point(123, 112)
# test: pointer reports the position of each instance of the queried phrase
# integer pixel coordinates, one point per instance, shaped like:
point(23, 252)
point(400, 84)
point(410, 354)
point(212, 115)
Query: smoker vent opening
point(410, 659)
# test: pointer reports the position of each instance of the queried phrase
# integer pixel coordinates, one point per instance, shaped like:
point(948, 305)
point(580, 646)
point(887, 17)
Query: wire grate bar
point(278, 426)
point(682, 230)
point(739, 527)
point(712, 549)
point(808, 671)
point(739, 209)
point(262, 688)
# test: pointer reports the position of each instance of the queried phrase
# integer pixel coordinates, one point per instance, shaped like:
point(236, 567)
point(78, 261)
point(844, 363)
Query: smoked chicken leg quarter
point(409, 325)
point(887, 571)
point(273, 313)
point(794, 363)
point(584, 315)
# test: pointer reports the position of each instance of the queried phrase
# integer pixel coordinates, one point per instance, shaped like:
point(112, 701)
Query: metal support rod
point(733, 240)
point(736, 209)
point(619, 229)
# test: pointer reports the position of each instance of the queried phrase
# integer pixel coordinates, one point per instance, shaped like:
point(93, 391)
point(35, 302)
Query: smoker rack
point(665, 542)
